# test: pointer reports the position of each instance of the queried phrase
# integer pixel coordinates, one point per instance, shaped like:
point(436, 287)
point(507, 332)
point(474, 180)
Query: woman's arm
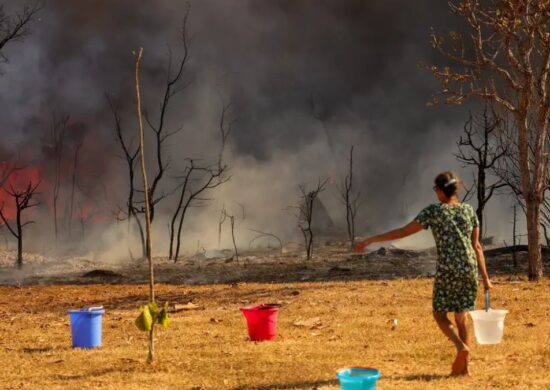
point(480, 258)
point(407, 230)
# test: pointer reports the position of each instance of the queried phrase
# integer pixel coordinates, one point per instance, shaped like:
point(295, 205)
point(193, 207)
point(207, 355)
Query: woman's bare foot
point(460, 365)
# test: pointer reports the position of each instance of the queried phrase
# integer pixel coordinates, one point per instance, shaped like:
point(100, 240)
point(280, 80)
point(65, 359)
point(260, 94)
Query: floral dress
point(455, 286)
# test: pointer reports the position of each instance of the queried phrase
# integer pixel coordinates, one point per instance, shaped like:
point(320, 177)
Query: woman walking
point(455, 228)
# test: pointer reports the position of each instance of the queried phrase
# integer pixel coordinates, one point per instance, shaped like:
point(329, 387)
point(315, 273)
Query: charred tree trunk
point(58, 128)
point(481, 200)
point(212, 176)
point(350, 200)
point(19, 239)
point(179, 210)
point(477, 147)
point(221, 220)
point(308, 242)
point(73, 187)
point(141, 235)
point(178, 236)
point(211, 182)
point(305, 214)
point(130, 155)
point(232, 221)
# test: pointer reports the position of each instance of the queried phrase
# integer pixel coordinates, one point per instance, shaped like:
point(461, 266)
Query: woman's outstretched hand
point(487, 284)
point(361, 245)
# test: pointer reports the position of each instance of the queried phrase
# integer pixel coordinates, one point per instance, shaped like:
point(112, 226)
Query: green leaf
point(144, 321)
point(163, 316)
point(153, 309)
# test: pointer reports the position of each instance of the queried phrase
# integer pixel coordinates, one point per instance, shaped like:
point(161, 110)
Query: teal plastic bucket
point(358, 378)
point(86, 327)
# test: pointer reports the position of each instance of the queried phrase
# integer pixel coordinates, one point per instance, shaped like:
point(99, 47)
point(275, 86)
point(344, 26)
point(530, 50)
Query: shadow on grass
point(88, 375)
point(96, 373)
point(223, 296)
point(128, 299)
point(419, 377)
point(44, 349)
point(292, 385)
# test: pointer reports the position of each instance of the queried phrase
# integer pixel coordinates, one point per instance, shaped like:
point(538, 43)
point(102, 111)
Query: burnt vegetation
point(479, 148)
point(23, 199)
point(351, 199)
point(306, 212)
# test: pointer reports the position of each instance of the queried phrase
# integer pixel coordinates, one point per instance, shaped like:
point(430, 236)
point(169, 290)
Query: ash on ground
point(332, 260)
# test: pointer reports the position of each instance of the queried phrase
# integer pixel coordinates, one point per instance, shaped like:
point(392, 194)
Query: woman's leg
point(461, 319)
point(462, 326)
point(447, 328)
point(460, 364)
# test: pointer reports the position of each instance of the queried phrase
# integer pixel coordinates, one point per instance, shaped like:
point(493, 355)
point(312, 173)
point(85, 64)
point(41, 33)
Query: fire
point(17, 180)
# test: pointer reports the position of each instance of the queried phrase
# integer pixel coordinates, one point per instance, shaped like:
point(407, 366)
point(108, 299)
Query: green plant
point(150, 315)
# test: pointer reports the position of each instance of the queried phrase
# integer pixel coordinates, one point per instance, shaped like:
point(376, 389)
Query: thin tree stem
point(150, 357)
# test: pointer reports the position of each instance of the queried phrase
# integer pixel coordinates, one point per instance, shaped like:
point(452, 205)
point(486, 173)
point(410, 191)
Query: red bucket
point(261, 321)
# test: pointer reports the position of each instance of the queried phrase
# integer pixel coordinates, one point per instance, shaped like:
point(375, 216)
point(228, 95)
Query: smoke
point(306, 80)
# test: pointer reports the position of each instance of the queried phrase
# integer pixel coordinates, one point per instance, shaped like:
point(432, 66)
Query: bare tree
point(74, 176)
point(16, 28)
point(322, 114)
point(225, 127)
point(306, 210)
point(507, 169)
point(174, 84)
point(350, 199)
point(22, 201)
point(209, 177)
point(131, 154)
point(232, 225)
point(478, 147)
point(82, 218)
point(505, 58)
point(469, 191)
point(56, 145)
point(191, 196)
point(222, 218)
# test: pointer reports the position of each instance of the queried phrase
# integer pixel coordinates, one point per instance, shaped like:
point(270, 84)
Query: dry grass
point(208, 349)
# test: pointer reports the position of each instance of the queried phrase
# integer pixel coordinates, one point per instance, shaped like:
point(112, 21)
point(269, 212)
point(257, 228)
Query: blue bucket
point(358, 378)
point(86, 327)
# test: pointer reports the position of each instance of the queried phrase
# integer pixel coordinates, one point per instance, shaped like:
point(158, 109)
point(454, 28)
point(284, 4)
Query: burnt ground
point(331, 261)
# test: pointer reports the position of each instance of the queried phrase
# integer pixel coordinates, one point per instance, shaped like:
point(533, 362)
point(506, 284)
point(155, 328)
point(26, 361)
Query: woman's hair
point(448, 182)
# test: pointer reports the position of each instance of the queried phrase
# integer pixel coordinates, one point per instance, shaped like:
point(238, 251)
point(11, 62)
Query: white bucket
point(488, 325)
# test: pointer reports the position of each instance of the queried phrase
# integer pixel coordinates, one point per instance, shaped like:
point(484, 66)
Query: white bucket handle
point(91, 308)
point(487, 300)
